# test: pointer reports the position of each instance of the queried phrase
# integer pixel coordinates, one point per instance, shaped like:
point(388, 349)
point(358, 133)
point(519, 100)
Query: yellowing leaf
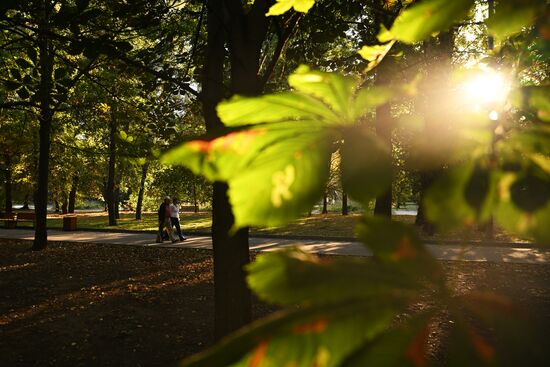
point(282, 6)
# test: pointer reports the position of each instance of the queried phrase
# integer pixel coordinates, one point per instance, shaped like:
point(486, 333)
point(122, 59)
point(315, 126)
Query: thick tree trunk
point(72, 194)
point(345, 209)
point(384, 126)
point(232, 296)
point(110, 190)
point(139, 205)
point(438, 61)
point(8, 204)
point(246, 33)
point(45, 119)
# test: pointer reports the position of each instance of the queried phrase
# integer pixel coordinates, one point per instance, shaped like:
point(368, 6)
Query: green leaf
point(272, 108)
point(123, 135)
point(405, 345)
point(462, 196)
point(282, 6)
point(425, 18)
point(317, 335)
point(530, 192)
point(335, 90)
point(23, 64)
point(519, 209)
point(512, 16)
point(366, 164)
point(275, 172)
point(293, 276)
point(367, 99)
point(398, 246)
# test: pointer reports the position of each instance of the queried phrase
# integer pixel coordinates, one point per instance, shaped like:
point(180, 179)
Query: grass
point(317, 225)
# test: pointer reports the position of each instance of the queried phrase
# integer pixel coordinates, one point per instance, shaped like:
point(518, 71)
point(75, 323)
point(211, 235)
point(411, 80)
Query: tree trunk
point(232, 296)
point(195, 201)
point(325, 204)
point(144, 170)
point(110, 190)
point(26, 202)
point(8, 208)
point(45, 119)
point(384, 128)
point(117, 201)
point(345, 209)
point(64, 205)
point(438, 61)
point(57, 206)
point(246, 33)
point(72, 194)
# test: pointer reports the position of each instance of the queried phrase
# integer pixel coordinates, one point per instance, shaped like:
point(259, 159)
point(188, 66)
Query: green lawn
point(329, 225)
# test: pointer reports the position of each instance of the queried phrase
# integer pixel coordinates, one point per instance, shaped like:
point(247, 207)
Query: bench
point(10, 220)
point(189, 208)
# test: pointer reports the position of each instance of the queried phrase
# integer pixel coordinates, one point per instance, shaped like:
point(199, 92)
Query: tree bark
point(72, 194)
point(232, 299)
point(8, 204)
point(245, 33)
point(345, 209)
point(325, 204)
point(195, 201)
point(45, 119)
point(110, 190)
point(26, 202)
point(139, 205)
point(64, 204)
point(384, 127)
point(438, 61)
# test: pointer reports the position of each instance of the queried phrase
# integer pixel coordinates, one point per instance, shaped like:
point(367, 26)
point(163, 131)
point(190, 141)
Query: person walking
point(175, 218)
point(165, 223)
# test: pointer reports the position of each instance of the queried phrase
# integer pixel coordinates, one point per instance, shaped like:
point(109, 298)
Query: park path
point(455, 252)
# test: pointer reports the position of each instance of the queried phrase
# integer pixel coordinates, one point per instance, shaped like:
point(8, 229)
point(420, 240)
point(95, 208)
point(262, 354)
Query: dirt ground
point(99, 305)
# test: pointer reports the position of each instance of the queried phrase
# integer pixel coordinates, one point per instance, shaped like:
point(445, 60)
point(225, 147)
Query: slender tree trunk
point(325, 204)
point(46, 116)
point(110, 191)
point(195, 201)
point(26, 202)
point(64, 204)
point(8, 204)
point(345, 209)
point(72, 194)
point(144, 170)
point(117, 201)
point(384, 127)
point(57, 206)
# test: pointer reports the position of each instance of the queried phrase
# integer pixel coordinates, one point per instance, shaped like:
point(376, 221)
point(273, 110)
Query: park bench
point(188, 208)
point(10, 220)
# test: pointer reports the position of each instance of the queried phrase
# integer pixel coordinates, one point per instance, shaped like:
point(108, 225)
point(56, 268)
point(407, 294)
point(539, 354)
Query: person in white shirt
point(175, 218)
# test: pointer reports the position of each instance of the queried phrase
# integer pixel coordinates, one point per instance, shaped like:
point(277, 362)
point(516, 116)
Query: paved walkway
point(440, 251)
